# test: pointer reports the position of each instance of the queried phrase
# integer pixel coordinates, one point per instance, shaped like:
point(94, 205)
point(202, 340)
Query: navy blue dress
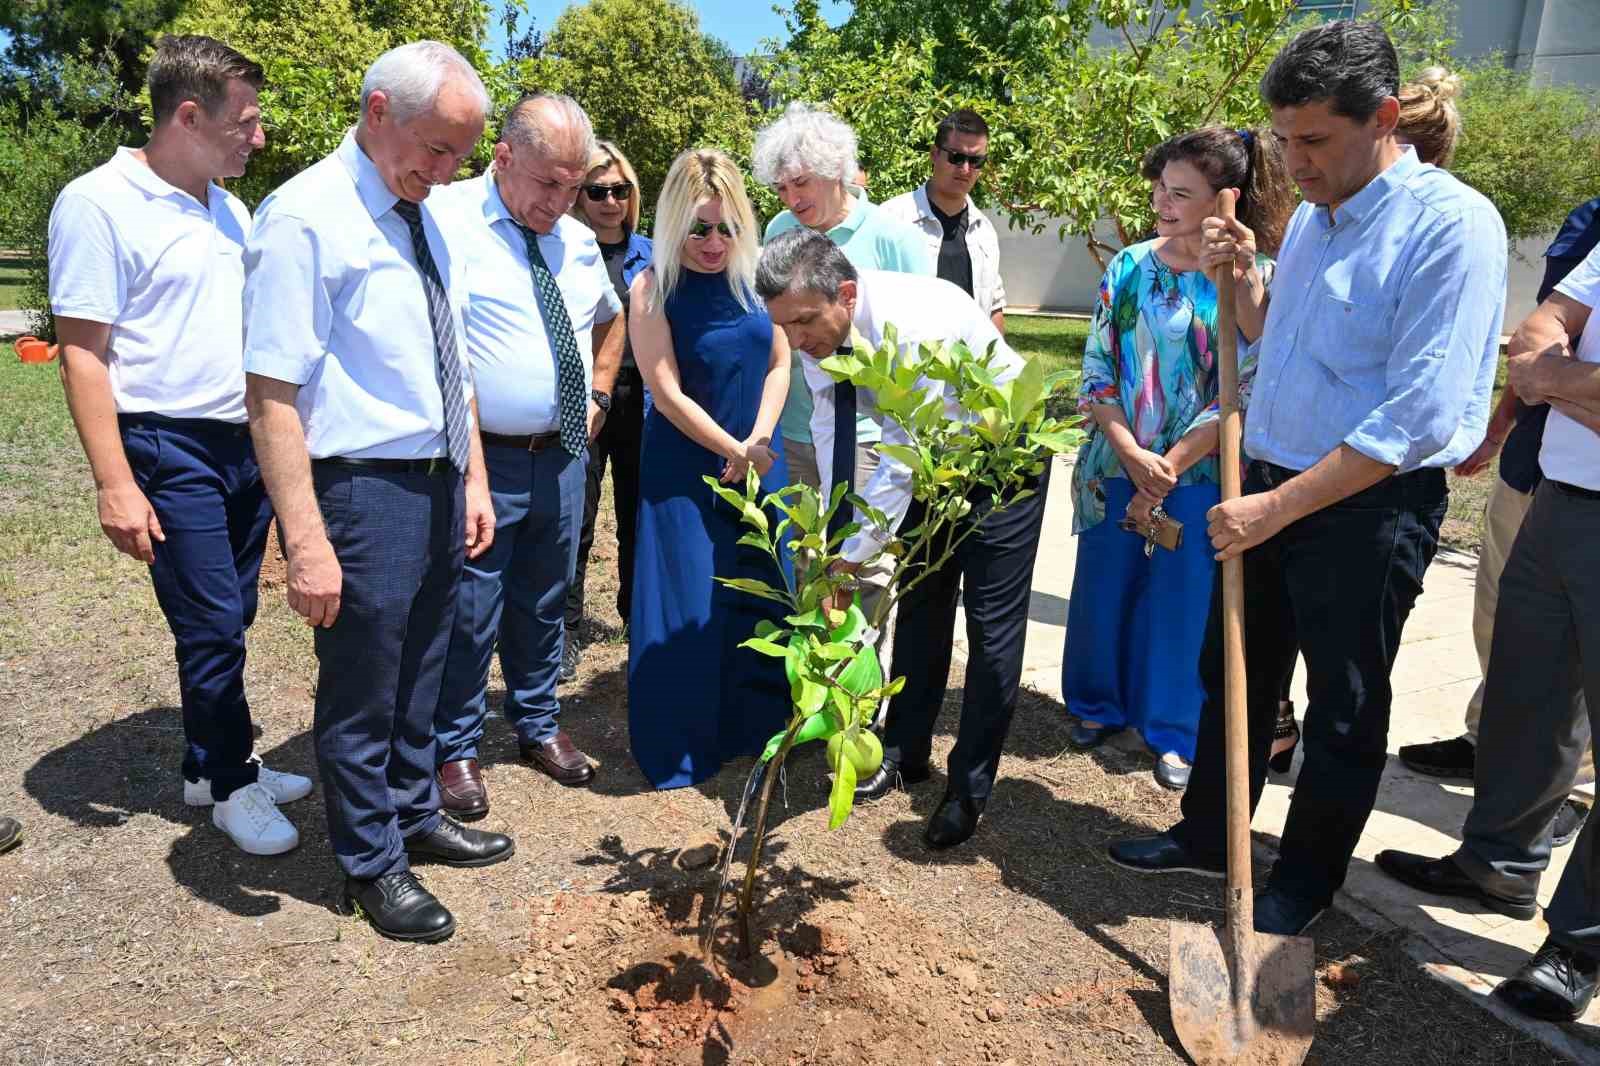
point(695, 698)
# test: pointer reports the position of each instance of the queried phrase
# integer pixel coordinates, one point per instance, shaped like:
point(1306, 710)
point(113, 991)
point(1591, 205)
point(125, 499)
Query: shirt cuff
point(64, 309)
point(1379, 438)
point(278, 366)
point(862, 546)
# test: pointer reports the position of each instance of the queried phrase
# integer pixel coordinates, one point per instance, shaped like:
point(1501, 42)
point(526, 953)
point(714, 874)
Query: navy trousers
point(516, 592)
point(1338, 585)
point(992, 573)
point(400, 540)
point(200, 477)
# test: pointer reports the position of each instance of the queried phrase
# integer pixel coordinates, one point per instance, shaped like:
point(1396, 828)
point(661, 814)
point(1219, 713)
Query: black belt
point(1576, 490)
point(440, 465)
point(536, 442)
point(193, 425)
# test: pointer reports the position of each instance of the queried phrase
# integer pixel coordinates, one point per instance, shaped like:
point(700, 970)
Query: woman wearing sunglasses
point(609, 204)
point(718, 374)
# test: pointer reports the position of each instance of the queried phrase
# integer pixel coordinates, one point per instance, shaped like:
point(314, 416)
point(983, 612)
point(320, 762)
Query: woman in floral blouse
point(1136, 621)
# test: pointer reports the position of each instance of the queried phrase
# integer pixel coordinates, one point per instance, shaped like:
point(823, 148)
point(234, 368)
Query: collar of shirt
point(370, 186)
point(143, 177)
point(1373, 193)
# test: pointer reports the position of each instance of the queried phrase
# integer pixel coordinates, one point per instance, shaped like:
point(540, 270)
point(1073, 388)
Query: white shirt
point(1571, 450)
point(513, 363)
point(921, 309)
point(164, 271)
point(334, 303)
point(983, 243)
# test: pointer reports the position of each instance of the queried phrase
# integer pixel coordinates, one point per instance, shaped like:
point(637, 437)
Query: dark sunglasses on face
point(700, 229)
point(961, 159)
point(619, 192)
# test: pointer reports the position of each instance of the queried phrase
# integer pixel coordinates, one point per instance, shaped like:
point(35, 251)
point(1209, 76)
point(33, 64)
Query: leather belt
point(192, 425)
point(441, 465)
point(536, 442)
point(1576, 490)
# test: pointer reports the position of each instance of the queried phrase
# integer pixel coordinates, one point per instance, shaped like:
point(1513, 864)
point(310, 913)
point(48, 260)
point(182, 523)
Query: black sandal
point(1285, 728)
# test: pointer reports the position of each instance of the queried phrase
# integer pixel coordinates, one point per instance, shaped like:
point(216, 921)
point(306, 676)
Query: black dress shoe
point(399, 907)
point(1445, 877)
point(890, 775)
point(10, 833)
point(953, 822)
point(1556, 985)
point(1454, 759)
point(453, 844)
point(1277, 912)
point(1086, 737)
point(1160, 854)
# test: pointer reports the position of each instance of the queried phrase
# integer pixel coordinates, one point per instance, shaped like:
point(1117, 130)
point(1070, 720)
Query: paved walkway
point(1436, 671)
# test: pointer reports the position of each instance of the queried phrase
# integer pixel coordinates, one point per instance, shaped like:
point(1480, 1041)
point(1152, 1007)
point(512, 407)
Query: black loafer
point(1453, 759)
point(954, 821)
point(1160, 854)
point(1556, 985)
point(1279, 913)
point(889, 776)
point(453, 844)
point(1444, 877)
point(1087, 738)
point(399, 907)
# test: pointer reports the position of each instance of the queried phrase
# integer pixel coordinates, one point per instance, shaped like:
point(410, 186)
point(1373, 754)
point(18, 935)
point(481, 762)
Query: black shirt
point(955, 260)
point(1519, 458)
point(615, 255)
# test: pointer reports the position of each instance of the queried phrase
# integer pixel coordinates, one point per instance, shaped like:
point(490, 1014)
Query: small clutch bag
point(1164, 531)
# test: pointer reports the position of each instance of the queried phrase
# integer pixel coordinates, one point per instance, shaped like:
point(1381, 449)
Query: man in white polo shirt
point(1546, 644)
point(145, 281)
point(538, 296)
point(961, 239)
point(360, 403)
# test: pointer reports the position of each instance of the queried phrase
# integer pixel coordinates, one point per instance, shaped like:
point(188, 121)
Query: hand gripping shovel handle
point(1241, 909)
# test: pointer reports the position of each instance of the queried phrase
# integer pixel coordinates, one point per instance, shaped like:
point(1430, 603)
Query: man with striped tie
point(539, 301)
point(361, 407)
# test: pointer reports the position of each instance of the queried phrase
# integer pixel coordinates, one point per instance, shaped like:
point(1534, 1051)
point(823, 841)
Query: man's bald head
point(553, 127)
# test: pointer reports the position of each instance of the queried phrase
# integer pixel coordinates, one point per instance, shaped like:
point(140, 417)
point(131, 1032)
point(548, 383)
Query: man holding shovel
point(1374, 375)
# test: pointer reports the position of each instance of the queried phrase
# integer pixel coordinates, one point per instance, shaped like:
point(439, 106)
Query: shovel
point(1238, 995)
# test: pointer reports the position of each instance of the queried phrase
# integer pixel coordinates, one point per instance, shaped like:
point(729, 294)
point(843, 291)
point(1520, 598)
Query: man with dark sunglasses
point(960, 237)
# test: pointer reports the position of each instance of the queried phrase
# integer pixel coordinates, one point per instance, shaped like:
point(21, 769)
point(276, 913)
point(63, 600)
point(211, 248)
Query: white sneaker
point(253, 821)
point(283, 788)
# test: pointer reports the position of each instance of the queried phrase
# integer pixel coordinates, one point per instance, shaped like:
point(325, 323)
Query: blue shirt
point(872, 239)
point(1384, 327)
point(512, 359)
point(334, 303)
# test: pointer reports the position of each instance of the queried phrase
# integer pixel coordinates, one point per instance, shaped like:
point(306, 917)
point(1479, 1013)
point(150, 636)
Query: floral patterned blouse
point(1151, 350)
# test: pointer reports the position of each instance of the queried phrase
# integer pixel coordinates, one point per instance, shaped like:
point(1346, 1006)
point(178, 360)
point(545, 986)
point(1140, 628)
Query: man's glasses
point(961, 159)
point(619, 192)
point(700, 229)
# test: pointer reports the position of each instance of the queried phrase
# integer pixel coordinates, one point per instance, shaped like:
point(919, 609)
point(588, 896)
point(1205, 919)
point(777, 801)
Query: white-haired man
point(543, 339)
point(360, 400)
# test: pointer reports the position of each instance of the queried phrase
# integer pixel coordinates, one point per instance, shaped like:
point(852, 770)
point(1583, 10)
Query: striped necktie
point(570, 393)
point(446, 350)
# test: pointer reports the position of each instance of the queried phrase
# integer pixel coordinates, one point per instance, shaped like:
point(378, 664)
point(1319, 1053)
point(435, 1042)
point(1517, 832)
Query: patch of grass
point(13, 279)
point(1057, 341)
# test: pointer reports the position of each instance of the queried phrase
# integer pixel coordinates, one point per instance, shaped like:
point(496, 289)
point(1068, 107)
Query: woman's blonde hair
point(699, 176)
point(611, 155)
point(1428, 117)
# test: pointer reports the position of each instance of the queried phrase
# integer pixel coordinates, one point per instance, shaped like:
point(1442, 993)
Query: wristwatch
point(601, 400)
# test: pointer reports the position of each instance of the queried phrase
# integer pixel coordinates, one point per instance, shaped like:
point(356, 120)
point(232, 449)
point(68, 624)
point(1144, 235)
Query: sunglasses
point(619, 193)
point(700, 229)
point(961, 159)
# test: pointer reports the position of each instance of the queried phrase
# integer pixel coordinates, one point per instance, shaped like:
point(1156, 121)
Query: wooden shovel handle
point(1241, 910)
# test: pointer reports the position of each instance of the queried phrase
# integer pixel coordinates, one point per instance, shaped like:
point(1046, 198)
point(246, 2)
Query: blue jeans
point(1135, 623)
point(201, 479)
point(516, 592)
point(1339, 583)
point(399, 538)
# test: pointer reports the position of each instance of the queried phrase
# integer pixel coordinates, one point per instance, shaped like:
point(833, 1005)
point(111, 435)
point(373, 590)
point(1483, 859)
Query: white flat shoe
point(254, 822)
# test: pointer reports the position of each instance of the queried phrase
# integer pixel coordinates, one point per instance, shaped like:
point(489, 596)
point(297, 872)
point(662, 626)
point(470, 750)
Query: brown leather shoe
point(559, 758)
point(462, 792)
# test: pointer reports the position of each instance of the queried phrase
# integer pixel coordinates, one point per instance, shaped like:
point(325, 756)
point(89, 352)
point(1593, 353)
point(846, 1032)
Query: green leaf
point(1027, 389)
point(766, 647)
point(842, 798)
point(812, 696)
point(754, 588)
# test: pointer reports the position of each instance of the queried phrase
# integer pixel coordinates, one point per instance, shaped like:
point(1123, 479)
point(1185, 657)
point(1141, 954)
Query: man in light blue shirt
point(1375, 371)
point(538, 296)
point(360, 405)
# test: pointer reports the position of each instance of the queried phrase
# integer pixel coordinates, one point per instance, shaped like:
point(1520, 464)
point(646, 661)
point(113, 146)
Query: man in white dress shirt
point(537, 295)
point(360, 402)
point(961, 240)
point(821, 301)
point(146, 272)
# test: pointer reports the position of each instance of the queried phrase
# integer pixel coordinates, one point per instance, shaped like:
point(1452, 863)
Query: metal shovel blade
point(1266, 1019)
